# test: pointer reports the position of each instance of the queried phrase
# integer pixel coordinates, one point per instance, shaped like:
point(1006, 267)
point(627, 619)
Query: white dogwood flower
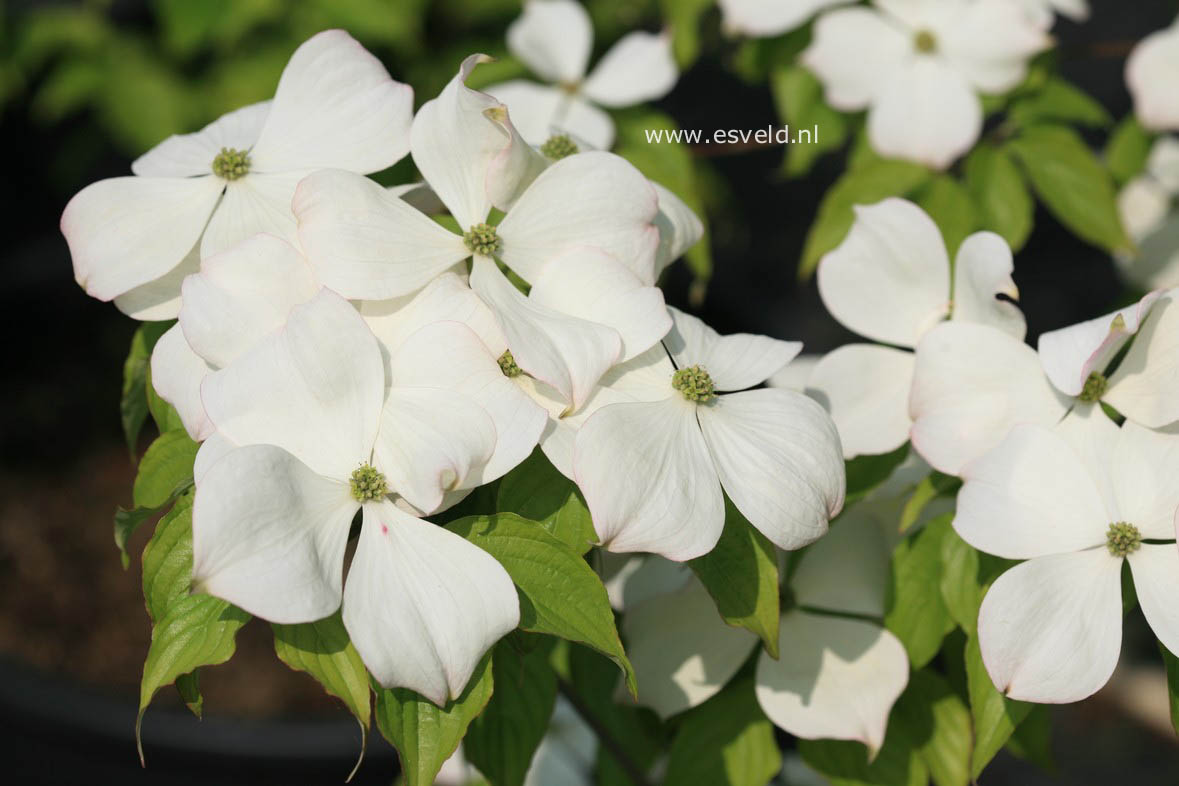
point(1147, 205)
point(673, 430)
point(134, 239)
point(319, 436)
point(838, 671)
point(890, 281)
point(768, 18)
point(579, 231)
point(1151, 73)
point(1075, 502)
point(554, 39)
point(971, 386)
point(918, 67)
point(238, 297)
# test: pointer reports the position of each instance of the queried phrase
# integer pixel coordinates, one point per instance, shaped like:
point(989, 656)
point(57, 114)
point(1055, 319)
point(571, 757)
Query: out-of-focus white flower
point(768, 18)
point(890, 281)
point(1043, 12)
point(665, 432)
point(134, 239)
point(838, 672)
point(1152, 70)
point(918, 67)
point(554, 38)
point(1076, 502)
point(1148, 211)
point(579, 231)
point(309, 433)
point(972, 385)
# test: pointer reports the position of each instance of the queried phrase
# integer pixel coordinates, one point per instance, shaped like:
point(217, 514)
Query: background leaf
point(994, 715)
point(914, 609)
point(165, 470)
point(1003, 202)
point(133, 408)
point(537, 491)
point(727, 740)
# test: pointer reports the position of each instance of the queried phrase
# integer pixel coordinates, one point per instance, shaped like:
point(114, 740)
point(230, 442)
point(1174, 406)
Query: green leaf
point(865, 473)
point(930, 705)
point(959, 584)
point(134, 407)
point(994, 715)
point(165, 470)
point(931, 487)
point(502, 740)
point(323, 650)
point(949, 204)
point(1172, 664)
point(866, 185)
point(1128, 150)
point(1001, 197)
point(189, 688)
point(536, 490)
point(682, 17)
point(424, 734)
point(195, 631)
point(167, 560)
point(915, 611)
point(727, 740)
point(1032, 740)
point(845, 763)
point(1059, 101)
point(1072, 183)
point(559, 593)
point(741, 575)
point(798, 96)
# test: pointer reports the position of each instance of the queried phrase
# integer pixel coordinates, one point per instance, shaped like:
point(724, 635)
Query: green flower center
point(558, 146)
point(507, 364)
point(1095, 387)
point(1122, 539)
point(925, 42)
point(368, 484)
point(482, 239)
point(694, 384)
point(231, 164)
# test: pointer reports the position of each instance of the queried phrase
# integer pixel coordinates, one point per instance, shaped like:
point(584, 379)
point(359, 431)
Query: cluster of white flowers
point(339, 351)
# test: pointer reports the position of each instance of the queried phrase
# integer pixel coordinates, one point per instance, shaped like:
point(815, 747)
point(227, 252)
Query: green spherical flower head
point(1122, 539)
point(694, 384)
point(507, 364)
point(482, 239)
point(558, 146)
point(231, 164)
point(1095, 387)
point(368, 484)
point(925, 42)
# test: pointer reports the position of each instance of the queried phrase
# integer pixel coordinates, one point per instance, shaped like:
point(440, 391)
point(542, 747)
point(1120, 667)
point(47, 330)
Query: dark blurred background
point(85, 87)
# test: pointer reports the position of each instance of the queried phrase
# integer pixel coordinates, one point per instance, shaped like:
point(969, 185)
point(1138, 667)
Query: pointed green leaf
point(931, 706)
point(195, 631)
point(164, 414)
point(559, 593)
point(727, 740)
point(537, 491)
point(323, 650)
point(1128, 150)
point(1001, 196)
point(1032, 740)
point(959, 583)
point(167, 560)
point(133, 407)
point(424, 734)
point(995, 716)
point(1072, 183)
point(1059, 101)
point(741, 575)
point(165, 470)
point(798, 97)
point(502, 740)
point(915, 611)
